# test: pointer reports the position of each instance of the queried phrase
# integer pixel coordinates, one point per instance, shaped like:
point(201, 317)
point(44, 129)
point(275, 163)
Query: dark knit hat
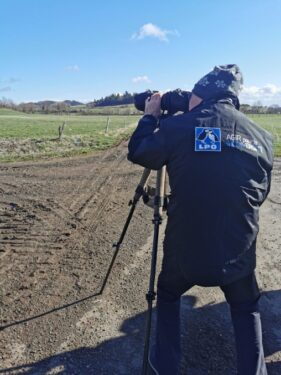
point(223, 79)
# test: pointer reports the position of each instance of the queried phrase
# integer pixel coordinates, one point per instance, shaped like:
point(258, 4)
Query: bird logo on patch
point(207, 139)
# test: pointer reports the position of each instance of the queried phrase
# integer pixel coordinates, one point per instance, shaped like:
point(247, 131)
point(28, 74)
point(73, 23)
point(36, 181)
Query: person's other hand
point(153, 105)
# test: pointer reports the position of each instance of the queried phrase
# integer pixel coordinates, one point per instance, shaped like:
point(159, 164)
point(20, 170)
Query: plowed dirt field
point(58, 221)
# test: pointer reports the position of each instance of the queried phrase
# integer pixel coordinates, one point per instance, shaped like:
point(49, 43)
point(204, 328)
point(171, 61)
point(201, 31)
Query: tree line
point(113, 99)
point(258, 108)
point(72, 106)
point(122, 102)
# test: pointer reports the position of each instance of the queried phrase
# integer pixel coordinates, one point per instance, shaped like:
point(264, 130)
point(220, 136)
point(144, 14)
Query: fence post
point(107, 126)
point(61, 129)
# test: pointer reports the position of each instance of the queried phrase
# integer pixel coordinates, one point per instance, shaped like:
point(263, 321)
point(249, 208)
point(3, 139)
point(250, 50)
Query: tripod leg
point(138, 193)
point(150, 296)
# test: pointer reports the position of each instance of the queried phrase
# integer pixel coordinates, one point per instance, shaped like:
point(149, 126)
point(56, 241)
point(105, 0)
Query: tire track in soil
point(21, 237)
point(90, 213)
point(25, 232)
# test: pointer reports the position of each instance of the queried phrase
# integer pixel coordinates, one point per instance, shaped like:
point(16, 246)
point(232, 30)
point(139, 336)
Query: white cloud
point(72, 68)
point(268, 94)
point(140, 79)
point(151, 30)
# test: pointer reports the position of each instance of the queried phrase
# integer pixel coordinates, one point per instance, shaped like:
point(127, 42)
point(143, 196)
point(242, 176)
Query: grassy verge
point(34, 149)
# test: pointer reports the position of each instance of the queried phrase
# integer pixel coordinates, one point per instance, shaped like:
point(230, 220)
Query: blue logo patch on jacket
point(207, 139)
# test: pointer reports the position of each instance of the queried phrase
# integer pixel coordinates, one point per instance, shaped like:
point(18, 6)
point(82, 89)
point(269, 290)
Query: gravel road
point(58, 221)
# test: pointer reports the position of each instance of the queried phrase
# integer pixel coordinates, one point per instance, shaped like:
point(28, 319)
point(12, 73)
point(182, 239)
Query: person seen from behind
point(219, 164)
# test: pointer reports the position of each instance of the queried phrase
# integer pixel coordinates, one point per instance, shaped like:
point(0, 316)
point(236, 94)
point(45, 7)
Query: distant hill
point(43, 102)
point(117, 103)
point(110, 100)
point(72, 103)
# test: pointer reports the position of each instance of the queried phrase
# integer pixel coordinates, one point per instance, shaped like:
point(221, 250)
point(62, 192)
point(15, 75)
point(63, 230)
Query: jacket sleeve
point(147, 145)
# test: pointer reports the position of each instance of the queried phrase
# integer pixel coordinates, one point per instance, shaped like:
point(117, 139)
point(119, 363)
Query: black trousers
point(243, 298)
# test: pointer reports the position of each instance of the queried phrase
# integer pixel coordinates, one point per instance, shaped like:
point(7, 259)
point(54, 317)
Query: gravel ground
point(58, 220)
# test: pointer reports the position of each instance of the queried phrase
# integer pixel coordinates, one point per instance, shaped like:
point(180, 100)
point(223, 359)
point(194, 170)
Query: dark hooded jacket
point(213, 211)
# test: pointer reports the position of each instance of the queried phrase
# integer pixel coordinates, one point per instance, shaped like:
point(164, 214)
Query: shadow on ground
point(207, 342)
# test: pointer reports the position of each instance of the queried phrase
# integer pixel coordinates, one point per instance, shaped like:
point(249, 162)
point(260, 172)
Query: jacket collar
point(226, 99)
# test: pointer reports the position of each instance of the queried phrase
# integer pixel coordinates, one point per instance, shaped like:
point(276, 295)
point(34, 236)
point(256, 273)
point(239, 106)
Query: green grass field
point(20, 125)
point(31, 136)
point(271, 123)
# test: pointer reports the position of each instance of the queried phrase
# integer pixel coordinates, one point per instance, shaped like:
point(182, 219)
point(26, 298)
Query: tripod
point(159, 204)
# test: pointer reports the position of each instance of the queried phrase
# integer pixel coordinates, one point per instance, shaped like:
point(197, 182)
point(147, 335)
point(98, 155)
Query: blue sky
point(65, 49)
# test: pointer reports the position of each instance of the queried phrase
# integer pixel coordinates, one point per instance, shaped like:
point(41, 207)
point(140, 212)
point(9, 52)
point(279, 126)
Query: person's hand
point(153, 105)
